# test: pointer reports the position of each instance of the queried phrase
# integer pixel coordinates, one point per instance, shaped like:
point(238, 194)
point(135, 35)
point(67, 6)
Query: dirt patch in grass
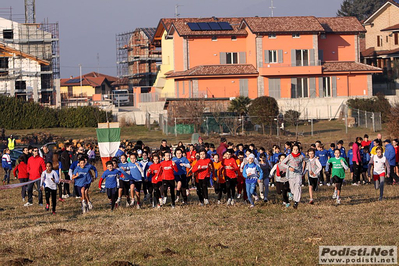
point(122, 263)
point(19, 262)
point(168, 252)
point(58, 231)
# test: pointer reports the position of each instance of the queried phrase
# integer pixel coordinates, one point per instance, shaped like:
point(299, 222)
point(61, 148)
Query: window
point(234, 38)
point(302, 57)
point(231, 58)
point(3, 65)
point(214, 38)
point(327, 87)
point(387, 39)
point(272, 36)
point(272, 56)
point(302, 88)
point(20, 85)
point(323, 36)
point(296, 35)
point(396, 38)
point(379, 41)
point(8, 34)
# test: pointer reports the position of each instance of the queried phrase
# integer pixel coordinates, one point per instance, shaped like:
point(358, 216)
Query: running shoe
point(311, 201)
point(206, 201)
point(228, 202)
point(238, 196)
point(90, 205)
point(290, 196)
point(47, 207)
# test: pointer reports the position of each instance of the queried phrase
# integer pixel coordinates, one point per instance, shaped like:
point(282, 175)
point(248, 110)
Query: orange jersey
point(191, 156)
point(218, 175)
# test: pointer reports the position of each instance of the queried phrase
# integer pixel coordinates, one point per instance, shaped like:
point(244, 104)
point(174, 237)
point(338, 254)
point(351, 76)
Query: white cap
point(251, 156)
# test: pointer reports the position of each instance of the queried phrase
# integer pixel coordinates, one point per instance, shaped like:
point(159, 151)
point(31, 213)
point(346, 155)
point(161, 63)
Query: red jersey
point(191, 155)
point(167, 170)
point(202, 168)
point(231, 173)
point(154, 171)
point(397, 154)
point(365, 143)
point(22, 169)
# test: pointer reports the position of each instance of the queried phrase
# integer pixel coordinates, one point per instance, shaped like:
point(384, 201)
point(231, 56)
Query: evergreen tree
point(361, 9)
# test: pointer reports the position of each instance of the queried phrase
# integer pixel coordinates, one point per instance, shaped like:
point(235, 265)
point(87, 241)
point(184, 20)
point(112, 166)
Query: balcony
point(276, 69)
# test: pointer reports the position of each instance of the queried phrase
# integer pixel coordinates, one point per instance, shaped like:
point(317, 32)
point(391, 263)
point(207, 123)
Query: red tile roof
point(341, 25)
point(391, 28)
point(182, 28)
point(344, 66)
point(216, 70)
point(92, 79)
point(283, 24)
point(372, 52)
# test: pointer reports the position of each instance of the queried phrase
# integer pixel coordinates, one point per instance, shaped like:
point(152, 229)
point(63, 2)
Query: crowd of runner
point(240, 172)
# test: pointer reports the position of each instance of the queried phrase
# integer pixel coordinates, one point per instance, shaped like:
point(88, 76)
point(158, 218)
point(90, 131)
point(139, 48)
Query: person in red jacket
point(156, 180)
point(21, 170)
point(222, 147)
point(203, 168)
point(35, 168)
point(166, 171)
point(230, 169)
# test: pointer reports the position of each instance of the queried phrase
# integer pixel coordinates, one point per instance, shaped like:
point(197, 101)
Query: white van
point(121, 97)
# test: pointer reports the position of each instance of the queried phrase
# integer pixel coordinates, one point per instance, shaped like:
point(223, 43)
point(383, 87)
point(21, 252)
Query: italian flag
point(109, 140)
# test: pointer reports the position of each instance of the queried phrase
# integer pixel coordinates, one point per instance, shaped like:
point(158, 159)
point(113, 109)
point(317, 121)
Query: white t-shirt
point(50, 180)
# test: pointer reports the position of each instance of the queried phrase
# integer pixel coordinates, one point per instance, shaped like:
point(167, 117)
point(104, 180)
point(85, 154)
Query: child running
point(252, 174)
point(111, 177)
point(182, 164)
point(313, 166)
point(230, 169)
point(156, 180)
point(295, 163)
point(203, 168)
point(49, 181)
point(218, 177)
point(264, 185)
point(167, 169)
point(381, 169)
point(282, 185)
point(338, 173)
point(82, 178)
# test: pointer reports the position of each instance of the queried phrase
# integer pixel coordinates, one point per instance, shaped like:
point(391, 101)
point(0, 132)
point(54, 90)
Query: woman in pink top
point(357, 161)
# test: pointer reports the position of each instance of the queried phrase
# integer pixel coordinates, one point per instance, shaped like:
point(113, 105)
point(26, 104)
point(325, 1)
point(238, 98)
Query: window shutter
point(242, 58)
point(177, 89)
point(321, 95)
point(274, 88)
point(293, 87)
point(184, 89)
point(267, 60)
point(222, 58)
point(293, 57)
point(334, 86)
point(244, 87)
point(312, 57)
point(280, 56)
point(321, 55)
point(312, 87)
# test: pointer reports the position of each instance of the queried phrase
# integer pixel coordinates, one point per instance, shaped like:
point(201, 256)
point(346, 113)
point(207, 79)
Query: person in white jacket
point(313, 167)
point(49, 181)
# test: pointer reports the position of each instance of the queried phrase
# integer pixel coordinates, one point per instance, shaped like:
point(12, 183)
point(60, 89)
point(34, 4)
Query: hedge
point(20, 114)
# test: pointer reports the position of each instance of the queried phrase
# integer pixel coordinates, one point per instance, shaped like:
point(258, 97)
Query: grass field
point(269, 234)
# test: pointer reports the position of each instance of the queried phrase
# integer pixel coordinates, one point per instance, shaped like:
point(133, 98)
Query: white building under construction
point(29, 60)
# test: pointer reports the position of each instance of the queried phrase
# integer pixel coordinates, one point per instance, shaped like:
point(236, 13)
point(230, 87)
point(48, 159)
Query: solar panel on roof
point(73, 81)
point(214, 25)
point(225, 26)
point(204, 26)
point(193, 26)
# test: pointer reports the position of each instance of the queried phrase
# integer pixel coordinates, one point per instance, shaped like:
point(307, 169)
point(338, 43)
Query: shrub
point(374, 104)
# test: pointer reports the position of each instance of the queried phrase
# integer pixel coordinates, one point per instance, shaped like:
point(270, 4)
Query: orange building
point(293, 59)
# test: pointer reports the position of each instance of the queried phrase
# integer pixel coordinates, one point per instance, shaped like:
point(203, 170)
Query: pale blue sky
point(88, 27)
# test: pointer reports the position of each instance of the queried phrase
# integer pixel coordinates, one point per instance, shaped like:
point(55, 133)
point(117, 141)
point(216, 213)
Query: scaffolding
point(138, 58)
point(38, 41)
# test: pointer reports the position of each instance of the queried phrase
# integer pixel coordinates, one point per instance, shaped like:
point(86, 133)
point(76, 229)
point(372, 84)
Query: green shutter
point(222, 56)
point(293, 57)
point(334, 86)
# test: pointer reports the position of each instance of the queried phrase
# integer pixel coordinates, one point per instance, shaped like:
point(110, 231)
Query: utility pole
point(30, 11)
point(272, 7)
point(177, 15)
point(81, 80)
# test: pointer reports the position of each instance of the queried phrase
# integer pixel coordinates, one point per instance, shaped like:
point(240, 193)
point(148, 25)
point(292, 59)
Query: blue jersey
point(275, 157)
point(135, 172)
point(84, 177)
point(181, 170)
point(365, 159)
point(323, 156)
point(343, 153)
point(111, 178)
point(350, 156)
point(331, 153)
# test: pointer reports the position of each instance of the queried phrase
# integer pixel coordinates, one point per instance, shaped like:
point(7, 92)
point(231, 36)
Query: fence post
point(365, 115)
point(175, 127)
point(311, 126)
point(372, 116)
point(346, 120)
point(207, 127)
point(358, 117)
point(167, 126)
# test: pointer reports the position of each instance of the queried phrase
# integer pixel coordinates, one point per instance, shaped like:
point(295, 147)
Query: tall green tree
point(265, 110)
point(361, 9)
point(240, 105)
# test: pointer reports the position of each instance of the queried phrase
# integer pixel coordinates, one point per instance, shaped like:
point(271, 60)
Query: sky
point(88, 28)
